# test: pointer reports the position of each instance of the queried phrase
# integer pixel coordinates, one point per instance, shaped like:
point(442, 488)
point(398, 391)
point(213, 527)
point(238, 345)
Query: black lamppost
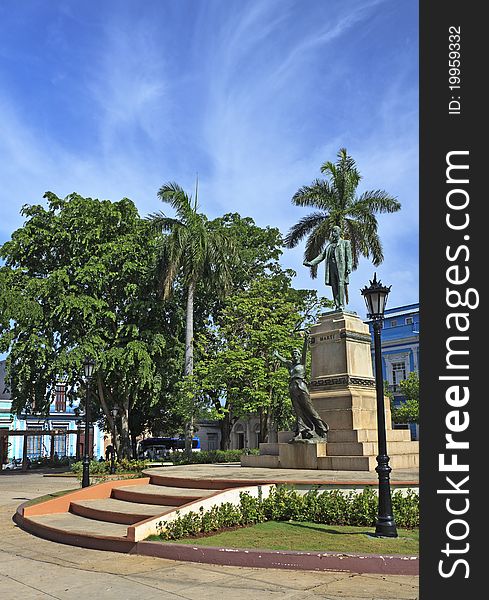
point(112, 454)
point(88, 366)
point(376, 299)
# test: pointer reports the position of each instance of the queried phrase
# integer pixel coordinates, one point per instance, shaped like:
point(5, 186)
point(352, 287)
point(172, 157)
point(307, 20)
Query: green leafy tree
point(338, 205)
point(193, 254)
point(77, 282)
point(238, 370)
point(408, 411)
point(258, 248)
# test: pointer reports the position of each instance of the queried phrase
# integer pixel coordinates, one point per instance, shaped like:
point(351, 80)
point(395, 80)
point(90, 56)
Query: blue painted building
point(62, 419)
point(400, 349)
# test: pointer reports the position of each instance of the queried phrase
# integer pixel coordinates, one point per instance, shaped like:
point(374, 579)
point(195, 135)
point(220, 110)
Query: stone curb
point(283, 559)
point(269, 559)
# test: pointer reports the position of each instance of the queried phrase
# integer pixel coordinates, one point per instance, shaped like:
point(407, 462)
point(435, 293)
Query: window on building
point(60, 402)
point(240, 436)
point(257, 437)
point(34, 444)
point(393, 323)
point(398, 373)
point(409, 320)
point(212, 441)
point(60, 444)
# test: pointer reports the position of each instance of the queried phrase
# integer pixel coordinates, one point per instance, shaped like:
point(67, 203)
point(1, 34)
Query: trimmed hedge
point(209, 456)
point(103, 467)
point(285, 504)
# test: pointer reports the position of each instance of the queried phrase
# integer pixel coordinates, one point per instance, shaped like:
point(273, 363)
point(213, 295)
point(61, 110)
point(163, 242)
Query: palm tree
point(197, 254)
point(339, 205)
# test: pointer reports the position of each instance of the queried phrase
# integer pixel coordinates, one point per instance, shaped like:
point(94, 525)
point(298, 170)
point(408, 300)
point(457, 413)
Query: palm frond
point(318, 195)
point(176, 197)
point(375, 246)
point(317, 241)
point(378, 201)
point(160, 222)
point(355, 215)
point(298, 231)
point(168, 266)
point(353, 232)
point(344, 178)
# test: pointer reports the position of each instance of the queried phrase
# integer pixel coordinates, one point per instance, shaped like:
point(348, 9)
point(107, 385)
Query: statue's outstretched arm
point(281, 358)
point(305, 346)
point(315, 261)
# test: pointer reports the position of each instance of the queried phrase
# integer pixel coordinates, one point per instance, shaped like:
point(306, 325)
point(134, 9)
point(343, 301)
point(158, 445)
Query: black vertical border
point(441, 133)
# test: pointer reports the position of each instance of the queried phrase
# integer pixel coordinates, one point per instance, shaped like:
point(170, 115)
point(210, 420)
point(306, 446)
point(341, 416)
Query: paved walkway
point(235, 471)
point(32, 568)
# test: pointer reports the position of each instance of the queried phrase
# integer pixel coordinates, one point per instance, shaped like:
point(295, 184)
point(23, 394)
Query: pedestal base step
point(331, 463)
point(354, 450)
point(366, 463)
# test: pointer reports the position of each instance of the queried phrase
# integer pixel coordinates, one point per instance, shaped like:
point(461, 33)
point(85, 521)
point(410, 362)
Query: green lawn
point(292, 535)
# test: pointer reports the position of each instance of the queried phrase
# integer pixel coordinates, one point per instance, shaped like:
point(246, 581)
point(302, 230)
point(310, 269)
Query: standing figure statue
point(338, 265)
point(309, 425)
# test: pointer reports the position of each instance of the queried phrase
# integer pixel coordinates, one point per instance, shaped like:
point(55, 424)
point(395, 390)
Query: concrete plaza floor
point(234, 471)
point(33, 568)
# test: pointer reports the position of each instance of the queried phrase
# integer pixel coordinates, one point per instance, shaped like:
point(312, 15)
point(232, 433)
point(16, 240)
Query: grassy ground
point(293, 535)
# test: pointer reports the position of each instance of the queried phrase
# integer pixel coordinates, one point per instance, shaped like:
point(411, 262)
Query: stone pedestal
point(287, 456)
point(343, 391)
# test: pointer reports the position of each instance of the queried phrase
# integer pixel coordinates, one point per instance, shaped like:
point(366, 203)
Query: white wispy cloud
point(254, 96)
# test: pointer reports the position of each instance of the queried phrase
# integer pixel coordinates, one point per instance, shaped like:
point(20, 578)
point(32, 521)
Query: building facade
point(245, 433)
point(60, 434)
point(400, 350)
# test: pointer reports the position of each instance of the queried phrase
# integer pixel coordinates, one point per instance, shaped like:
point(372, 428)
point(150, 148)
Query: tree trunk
point(189, 362)
point(271, 426)
point(115, 439)
point(126, 449)
point(226, 426)
point(134, 444)
point(272, 432)
point(263, 414)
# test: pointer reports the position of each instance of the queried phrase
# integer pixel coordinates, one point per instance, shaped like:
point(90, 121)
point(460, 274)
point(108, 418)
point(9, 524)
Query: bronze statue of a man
point(309, 425)
point(338, 266)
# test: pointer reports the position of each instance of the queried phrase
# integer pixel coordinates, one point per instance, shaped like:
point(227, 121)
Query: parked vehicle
point(158, 448)
point(16, 463)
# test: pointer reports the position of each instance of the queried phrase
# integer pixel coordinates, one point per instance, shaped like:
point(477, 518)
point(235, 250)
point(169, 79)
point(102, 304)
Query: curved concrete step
point(117, 511)
point(184, 482)
point(161, 495)
point(68, 523)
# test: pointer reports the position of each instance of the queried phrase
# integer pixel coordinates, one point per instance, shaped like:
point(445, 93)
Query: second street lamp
point(376, 299)
point(88, 367)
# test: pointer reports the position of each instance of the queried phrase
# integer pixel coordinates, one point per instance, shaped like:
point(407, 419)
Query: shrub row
point(103, 467)
point(285, 504)
point(209, 456)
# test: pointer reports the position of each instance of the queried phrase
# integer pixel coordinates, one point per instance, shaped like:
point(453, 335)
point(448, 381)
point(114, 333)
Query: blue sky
point(113, 98)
